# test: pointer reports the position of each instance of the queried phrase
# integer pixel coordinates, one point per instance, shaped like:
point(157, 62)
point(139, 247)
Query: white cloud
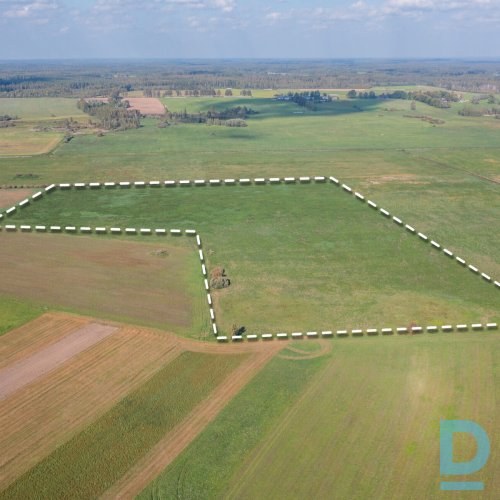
point(273, 17)
point(224, 5)
point(28, 9)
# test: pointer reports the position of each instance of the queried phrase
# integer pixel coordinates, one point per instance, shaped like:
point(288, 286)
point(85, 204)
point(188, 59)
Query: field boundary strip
point(192, 232)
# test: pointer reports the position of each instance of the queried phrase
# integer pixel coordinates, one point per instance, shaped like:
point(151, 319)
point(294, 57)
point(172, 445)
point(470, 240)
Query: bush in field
point(238, 330)
point(218, 278)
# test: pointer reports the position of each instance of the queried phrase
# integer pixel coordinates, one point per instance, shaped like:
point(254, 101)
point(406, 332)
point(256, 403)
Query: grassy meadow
point(362, 421)
point(145, 283)
point(300, 257)
point(356, 419)
point(15, 312)
point(23, 139)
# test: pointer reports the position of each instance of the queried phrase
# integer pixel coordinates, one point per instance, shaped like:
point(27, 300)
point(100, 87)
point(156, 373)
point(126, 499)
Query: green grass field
point(300, 257)
point(88, 464)
point(359, 422)
point(22, 139)
point(16, 312)
point(40, 108)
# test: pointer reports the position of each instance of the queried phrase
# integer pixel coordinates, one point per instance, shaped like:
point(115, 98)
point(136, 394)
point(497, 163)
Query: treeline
point(472, 111)
point(307, 99)
point(435, 98)
point(195, 93)
point(87, 79)
point(213, 117)
point(112, 115)
point(7, 121)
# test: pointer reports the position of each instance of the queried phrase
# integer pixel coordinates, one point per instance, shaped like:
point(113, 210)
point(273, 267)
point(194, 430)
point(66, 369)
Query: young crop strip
point(93, 460)
point(74, 229)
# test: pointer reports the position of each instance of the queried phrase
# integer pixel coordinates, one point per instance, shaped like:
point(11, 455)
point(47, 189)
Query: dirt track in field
point(166, 450)
point(9, 197)
point(16, 376)
point(325, 347)
point(146, 105)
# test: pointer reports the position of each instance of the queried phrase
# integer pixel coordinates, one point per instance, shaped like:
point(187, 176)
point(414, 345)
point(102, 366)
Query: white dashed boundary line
point(119, 231)
point(232, 182)
point(403, 330)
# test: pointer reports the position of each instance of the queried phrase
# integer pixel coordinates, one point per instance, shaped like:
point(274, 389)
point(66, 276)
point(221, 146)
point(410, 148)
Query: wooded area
point(159, 78)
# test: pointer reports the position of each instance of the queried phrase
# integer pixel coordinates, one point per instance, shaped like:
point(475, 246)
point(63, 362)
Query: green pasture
point(277, 141)
point(23, 140)
point(89, 463)
point(40, 108)
point(359, 422)
point(16, 312)
point(300, 257)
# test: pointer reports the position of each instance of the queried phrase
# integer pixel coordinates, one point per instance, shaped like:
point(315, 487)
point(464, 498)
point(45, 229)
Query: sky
point(74, 29)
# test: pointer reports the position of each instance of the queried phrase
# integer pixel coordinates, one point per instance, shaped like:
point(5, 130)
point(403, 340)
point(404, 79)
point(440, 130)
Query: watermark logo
point(450, 468)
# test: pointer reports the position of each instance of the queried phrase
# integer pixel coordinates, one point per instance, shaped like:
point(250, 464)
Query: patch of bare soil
point(146, 105)
point(38, 417)
point(399, 178)
point(9, 197)
point(16, 376)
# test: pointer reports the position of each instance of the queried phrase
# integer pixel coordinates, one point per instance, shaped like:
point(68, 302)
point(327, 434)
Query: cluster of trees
point(112, 115)
point(233, 122)
point(436, 98)
point(307, 99)
point(7, 121)
point(231, 117)
point(195, 93)
point(490, 99)
point(63, 78)
point(472, 111)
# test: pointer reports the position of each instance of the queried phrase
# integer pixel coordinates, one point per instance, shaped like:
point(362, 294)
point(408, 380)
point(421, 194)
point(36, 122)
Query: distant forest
point(87, 78)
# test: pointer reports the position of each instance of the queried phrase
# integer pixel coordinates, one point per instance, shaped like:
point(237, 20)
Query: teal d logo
point(450, 468)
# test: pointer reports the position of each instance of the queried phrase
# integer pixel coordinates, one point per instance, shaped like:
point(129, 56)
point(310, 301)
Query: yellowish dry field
point(22, 141)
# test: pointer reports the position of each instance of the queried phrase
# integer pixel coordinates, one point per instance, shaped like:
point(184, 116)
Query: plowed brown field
point(146, 105)
point(40, 416)
point(9, 197)
point(17, 375)
point(101, 277)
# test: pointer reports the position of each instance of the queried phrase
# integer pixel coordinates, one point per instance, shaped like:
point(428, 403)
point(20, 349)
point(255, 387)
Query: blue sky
point(256, 28)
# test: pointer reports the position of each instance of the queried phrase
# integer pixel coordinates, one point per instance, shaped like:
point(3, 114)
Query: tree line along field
point(23, 139)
